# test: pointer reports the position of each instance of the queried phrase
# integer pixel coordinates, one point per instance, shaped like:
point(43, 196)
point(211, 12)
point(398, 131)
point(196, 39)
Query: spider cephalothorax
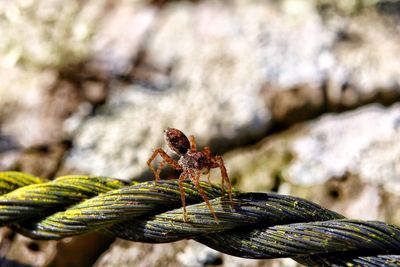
point(191, 162)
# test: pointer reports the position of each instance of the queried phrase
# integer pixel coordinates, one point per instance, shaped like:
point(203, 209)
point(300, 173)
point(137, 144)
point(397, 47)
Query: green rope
point(255, 225)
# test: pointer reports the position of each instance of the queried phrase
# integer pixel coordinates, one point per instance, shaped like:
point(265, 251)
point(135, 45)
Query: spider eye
point(176, 141)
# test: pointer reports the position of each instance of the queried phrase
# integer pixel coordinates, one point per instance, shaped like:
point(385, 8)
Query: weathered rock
point(216, 83)
point(23, 251)
point(79, 251)
point(362, 142)
point(364, 69)
point(260, 63)
point(347, 162)
point(125, 253)
point(196, 254)
point(54, 33)
point(31, 120)
point(259, 168)
point(182, 253)
point(121, 36)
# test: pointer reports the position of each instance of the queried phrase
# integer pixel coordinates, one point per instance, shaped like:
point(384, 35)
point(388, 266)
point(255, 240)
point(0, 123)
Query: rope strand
point(258, 225)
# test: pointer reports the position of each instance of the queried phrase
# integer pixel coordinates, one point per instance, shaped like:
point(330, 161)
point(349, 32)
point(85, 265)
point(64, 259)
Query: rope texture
point(255, 225)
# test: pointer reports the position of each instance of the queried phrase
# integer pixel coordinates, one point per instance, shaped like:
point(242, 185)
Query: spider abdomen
point(176, 141)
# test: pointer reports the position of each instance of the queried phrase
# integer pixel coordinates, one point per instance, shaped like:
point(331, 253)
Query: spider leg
point(160, 167)
point(196, 180)
point(207, 152)
point(225, 176)
point(166, 158)
point(182, 191)
point(214, 163)
point(193, 146)
point(208, 176)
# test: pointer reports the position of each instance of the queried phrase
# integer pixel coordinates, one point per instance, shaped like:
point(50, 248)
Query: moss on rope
point(257, 225)
point(38, 197)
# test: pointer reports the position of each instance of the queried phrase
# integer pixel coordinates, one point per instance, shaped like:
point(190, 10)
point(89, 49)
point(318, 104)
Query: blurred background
point(299, 97)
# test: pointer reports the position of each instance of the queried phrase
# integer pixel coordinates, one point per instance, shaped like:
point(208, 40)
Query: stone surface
point(79, 251)
point(120, 141)
point(196, 254)
point(261, 63)
point(347, 162)
point(124, 253)
point(31, 117)
point(365, 70)
point(215, 95)
point(23, 251)
point(54, 33)
point(363, 142)
point(115, 51)
point(185, 253)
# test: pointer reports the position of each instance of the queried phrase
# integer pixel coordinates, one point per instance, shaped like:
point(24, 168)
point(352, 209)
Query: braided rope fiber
point(255, 225)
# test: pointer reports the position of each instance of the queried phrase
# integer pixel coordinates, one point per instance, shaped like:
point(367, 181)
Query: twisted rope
point(257, 225)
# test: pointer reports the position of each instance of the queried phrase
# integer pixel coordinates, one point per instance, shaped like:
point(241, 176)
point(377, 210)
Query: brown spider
point(192, 163)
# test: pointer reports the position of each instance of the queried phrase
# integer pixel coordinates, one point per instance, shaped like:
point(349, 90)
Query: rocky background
point(298, 96)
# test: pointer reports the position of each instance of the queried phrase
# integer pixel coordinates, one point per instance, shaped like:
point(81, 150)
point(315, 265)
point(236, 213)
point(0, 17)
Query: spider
point(192, 163)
